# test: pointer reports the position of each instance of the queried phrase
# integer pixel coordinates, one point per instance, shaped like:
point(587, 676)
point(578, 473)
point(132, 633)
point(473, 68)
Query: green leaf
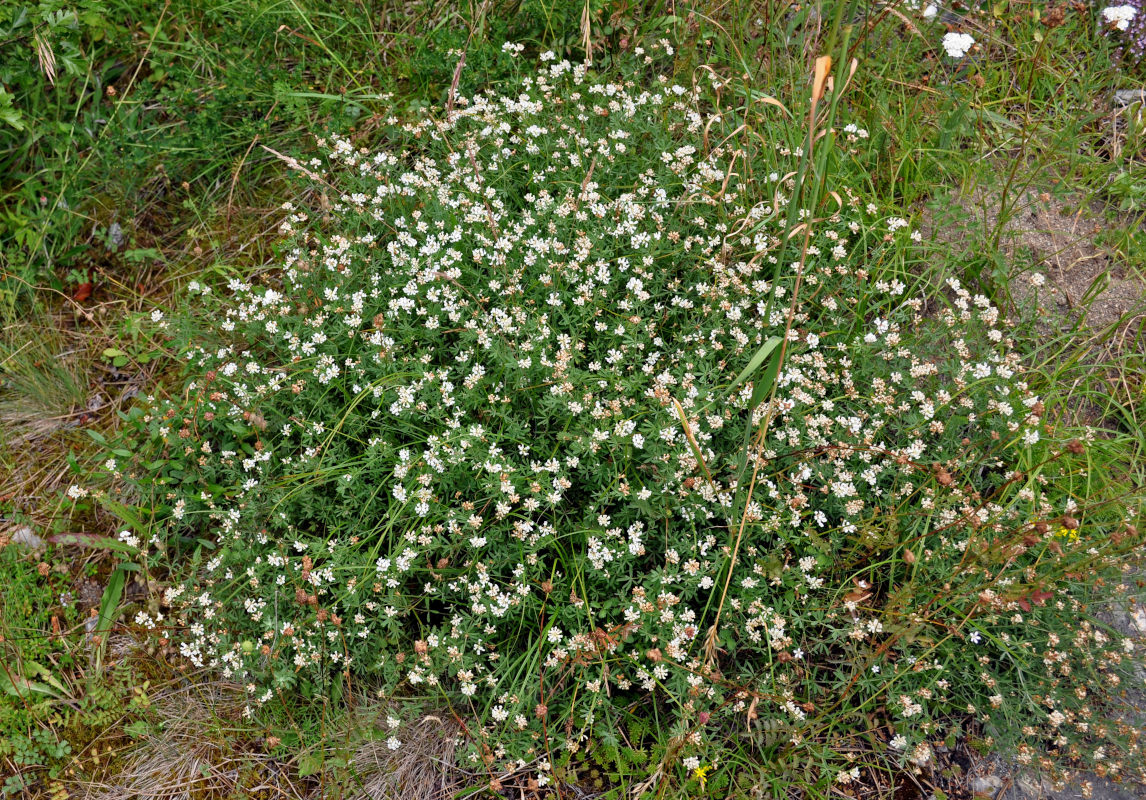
point(109, 603)
point(10, 115)
point(124, 513)
point(94, 542)
point(148, 253)
point(309, 764)
point(45, 674)
point(21, 686)
point(137, 729)
point(764, 385)
point(758, 359)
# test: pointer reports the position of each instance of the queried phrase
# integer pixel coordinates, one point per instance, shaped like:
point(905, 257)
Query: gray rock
point(1138, 619)
point(26, 539)
point(1125, 97)
point(115, 235)
point(986, 784)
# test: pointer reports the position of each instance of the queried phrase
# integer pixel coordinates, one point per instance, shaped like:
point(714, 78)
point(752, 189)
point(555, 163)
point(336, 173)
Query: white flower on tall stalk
point(1119, 16)
point(958, 44)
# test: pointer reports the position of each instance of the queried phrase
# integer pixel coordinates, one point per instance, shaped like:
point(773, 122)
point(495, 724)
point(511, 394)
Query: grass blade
point(765, 350)
point(108, 605)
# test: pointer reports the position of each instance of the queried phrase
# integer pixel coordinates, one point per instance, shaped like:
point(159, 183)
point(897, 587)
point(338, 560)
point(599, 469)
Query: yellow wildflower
point(1071, 536)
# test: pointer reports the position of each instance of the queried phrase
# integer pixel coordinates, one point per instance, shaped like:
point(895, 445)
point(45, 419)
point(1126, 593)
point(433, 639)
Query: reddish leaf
point(1038, 597)
point(84, 290)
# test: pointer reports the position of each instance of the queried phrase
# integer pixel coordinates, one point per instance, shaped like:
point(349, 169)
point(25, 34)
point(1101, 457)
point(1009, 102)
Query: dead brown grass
point(199, 748)
point(193, 753)
point(422, 769)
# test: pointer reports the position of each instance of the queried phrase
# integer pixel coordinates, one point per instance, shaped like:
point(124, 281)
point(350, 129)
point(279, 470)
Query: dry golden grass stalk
point(587, 32)
point(821, 78)
point(692, 441)
point(47, 58)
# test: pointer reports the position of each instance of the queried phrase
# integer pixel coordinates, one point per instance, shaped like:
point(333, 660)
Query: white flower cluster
point(486, 405)
point(958, 44)
point(1119, 16)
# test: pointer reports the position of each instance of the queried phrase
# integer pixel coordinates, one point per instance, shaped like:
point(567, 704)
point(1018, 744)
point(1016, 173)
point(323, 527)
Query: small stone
point(115, 235)
point(1125, 97)
point(24, 537)
point(986, 784)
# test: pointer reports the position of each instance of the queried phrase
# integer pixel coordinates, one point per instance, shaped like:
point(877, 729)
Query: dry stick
point(243, 160)
point(585, 183)
point(452, 96)
point(294, 163)
point(823, 65)
point(587, 33)
point(692, 441)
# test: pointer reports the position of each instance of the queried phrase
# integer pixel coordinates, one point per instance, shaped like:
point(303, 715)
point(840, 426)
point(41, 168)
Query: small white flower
point(957, 45)
point(921, 754)
point(1119, 16)
point(393, 743)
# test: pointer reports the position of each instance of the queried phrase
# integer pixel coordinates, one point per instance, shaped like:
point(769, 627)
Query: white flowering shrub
point(480, 439)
